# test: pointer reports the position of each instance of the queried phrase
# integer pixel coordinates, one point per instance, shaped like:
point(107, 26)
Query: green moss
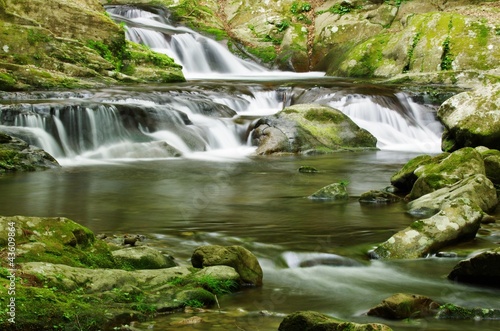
point(447, 57)
point(482, 33)
point(324, 116)
point(266, 54)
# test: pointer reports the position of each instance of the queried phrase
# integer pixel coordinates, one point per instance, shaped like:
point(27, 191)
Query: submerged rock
point(405, 305)
point(335, 191)
point(378, 197)
point(241, 259)
point(17, 155)
point(307, 128)
point(472, 119)
point(482, 269)
point(458, 220)
point(314, 321)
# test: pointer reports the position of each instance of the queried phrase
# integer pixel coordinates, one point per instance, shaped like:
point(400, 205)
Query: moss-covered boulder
point(43, 47)
point(472, 119)
point(406, 177)
point(458, 220)
point(17, 155)
point(307, 128)
point(314, 321)
point(377, 197)
point(446, 171)
point(482, 269)
point(142, 257)
point(241, 259)
point(491, 158)
point(335, 191)
point(405, 305)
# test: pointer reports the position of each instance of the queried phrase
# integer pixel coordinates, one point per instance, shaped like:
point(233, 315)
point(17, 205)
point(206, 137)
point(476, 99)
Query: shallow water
point(260, 203)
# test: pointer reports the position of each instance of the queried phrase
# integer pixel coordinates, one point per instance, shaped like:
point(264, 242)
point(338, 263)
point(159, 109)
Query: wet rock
point(458, 220)
point(451, 311)
point(491, 158)
point(142, 257)
point(472, 119)
point(17, 155)
point(478, 189)
point(459, 165)
point(307, 169)
point(314, 321)
point(309, 128)
point(482, 269)
point(406, 177)
point(335, 191)
point(241, 259)
point(405, 305)
point(378, 197)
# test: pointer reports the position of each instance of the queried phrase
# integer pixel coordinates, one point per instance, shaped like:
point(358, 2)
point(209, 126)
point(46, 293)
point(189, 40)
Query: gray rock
point(335, 191)
point(482, 269)
point(472, 119)
point(459, 219)
point(378, 197)
point(478, 189)
point(142, 257)
point(241, 259)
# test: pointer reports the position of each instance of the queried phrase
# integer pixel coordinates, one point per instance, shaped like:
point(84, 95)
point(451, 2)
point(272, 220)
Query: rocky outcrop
point(481, 269)
point(314, 321)
point(17, 155)
point(70, 44)
point(472, 119)
point(457, 220)
point(241, 259)
point(405, 305)
point(309, 128)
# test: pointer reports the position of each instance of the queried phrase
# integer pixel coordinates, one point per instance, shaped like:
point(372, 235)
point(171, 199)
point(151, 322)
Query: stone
point(458, 219)
point(142, 257)
point(335, 191)
point(491, 158)
point(405, 305)
point(314, 321)
point(306, 128)
point(481, 269)
point(378, 197)
point(405, 178)
point(237, 257)
point(478, 189)
point(472, 118)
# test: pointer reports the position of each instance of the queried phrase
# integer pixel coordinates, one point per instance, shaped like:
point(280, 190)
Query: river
point(118, 177)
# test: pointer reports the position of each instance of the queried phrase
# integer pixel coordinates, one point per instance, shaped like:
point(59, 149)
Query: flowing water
point(175, 163)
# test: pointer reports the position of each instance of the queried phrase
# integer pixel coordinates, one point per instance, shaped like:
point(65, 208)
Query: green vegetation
point(416, 39)
point(217, 286)
point(298, 8)
point(446, 57)
point(324, 116)
point(266, 54)
point(395, 2)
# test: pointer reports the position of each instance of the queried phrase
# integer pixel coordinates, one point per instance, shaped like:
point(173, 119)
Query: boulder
point(314, 321)
point(472, 119)
point(142, 257)
point(378, 197)
point(451, 311)
point(491, 158)
point(405, 305)
point(458, 219)
point(241, 259)
point(405, 178)
point(335, 191)
point(478, 189)
point(481, 269)
point(308, 128)
point(458, 165)
point(17, 155)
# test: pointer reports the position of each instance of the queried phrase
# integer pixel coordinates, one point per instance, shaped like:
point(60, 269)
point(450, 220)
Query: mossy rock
point(405, 305)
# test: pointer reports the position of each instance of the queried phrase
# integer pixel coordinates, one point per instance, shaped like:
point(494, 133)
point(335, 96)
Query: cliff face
point(63, 43)
point(440, 41)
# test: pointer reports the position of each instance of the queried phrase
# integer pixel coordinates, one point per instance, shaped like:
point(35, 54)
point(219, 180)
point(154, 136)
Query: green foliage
point(194, 303)
point(340, 9)
point(35, 36)
point(298, 8)
point(217, 286)
point(416, 39)
point(395, 2)
point(283, 25)
point(344, 183)
point(266, 54)
point(446, 57)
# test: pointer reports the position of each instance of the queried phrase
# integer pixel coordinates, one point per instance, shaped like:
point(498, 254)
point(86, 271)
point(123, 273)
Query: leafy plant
point(447, 56)
point(194, 303)
point(217, 286)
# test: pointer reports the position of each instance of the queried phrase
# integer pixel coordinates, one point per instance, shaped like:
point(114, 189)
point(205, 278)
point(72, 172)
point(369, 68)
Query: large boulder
point(405, 305)
point(478, 189)
point(461, 164)
point(472, 119)
point(142, 257)
point(406, 177)
point(482, 269)
point(314, 321)
point(310, 128)
point(17, 155)
point(491, 158)
point(458, 219)
point(241, 259)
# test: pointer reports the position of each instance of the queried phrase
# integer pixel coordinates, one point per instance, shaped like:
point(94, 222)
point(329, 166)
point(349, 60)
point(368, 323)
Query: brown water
point(260, 203)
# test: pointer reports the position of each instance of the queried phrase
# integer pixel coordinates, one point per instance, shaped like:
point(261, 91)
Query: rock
point(314, 321)
point(472, 119)
point(307, 170)
point(17, 155)
point(478, 189)
point(335, 191)
point(453, 168)
point(491, 158)
point(405, 178)
point(142, 257)
point(241, 259)
point(451, 311)
point(405, 305)
point(309, 127)
point(459, 219)
point(378, 197)
point(481, 269)
point(218, 273)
